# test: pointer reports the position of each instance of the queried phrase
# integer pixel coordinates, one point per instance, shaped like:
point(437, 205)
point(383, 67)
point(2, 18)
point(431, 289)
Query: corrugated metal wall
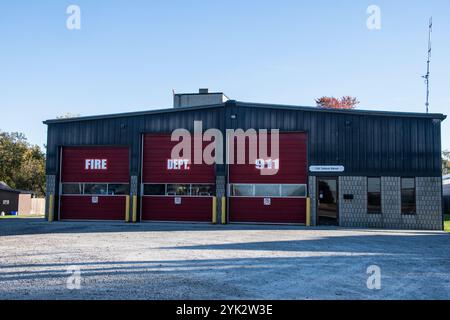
point(124, 131)
point(365, 144)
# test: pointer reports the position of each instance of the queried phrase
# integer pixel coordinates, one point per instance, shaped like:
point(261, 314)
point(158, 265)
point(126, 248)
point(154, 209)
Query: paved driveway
point(39, 260)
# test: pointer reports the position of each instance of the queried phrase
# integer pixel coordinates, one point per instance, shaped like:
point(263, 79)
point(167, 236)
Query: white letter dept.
point(177, 164)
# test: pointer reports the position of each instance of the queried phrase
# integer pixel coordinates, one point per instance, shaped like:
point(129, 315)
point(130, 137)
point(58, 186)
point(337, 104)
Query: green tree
point(445, 162)
point(22, 166)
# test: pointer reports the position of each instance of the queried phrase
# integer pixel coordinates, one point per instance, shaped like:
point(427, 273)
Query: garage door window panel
point(193, 190)
point(242, 190)
point(72, 189)
point(154, 190)
point(294, 190)
point(178, 190)
point(203, 190)
point(95, 189)
point(267, 190)
point(118, 189)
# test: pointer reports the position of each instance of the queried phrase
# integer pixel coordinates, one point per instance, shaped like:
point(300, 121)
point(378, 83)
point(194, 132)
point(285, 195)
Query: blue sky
point(129, 55)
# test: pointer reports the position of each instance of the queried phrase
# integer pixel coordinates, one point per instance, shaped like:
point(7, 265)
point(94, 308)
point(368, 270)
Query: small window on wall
point(96, 189)
point(408, 195)
point(177, 189)
point(374, 195)
point(72, 188)
point(118, 189)
point(154, 190)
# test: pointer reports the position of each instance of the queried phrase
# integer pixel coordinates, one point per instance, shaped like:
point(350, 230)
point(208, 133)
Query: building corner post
point(214, 210)
point(51, 210)
point(220, 195)
point(308, 212)
point(127, 209)
point(134, 197)
point(50, 198)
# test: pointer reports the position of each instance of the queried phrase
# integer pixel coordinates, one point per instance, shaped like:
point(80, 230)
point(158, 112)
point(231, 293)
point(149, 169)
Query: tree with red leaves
point(346, 102)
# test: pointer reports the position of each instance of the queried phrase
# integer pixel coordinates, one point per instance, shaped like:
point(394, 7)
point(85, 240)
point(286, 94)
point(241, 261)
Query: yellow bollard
point(51, 212)
point(214, 210)
point(308, 212)
point(127, 209)
point(134, 209)
point(224, 210)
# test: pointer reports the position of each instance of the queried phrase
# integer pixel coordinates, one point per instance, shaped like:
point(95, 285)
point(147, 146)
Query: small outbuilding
point(9, 199)
point(14, 201)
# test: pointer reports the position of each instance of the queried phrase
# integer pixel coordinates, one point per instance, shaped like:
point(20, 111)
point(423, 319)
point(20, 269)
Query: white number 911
point(269, 164)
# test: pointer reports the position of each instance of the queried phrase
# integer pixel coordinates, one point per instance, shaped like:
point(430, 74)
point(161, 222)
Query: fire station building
point(351, 168)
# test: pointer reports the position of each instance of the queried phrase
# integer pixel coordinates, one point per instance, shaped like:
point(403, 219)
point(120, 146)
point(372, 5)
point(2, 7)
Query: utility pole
point(427, 76)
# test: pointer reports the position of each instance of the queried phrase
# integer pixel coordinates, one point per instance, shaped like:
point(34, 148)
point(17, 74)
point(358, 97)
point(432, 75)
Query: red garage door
point(94, 183)
point(174, 188)
point(273, 188)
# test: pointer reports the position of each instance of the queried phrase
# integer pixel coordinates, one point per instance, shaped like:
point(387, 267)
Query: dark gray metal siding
point(123, 131)
point(366, 144)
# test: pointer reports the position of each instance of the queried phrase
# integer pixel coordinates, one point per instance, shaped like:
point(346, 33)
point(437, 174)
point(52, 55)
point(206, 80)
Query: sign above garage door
point(95, 164)
point(326, 168)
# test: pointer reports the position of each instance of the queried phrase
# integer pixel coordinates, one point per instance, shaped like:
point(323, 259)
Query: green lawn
point(447, 223)
point(23, 216)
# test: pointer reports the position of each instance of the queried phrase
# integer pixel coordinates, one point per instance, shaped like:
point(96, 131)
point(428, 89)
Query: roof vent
point(202, 98)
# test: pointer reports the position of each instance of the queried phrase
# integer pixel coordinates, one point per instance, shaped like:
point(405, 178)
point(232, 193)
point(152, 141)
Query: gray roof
point(437, 116)
point(5, 187)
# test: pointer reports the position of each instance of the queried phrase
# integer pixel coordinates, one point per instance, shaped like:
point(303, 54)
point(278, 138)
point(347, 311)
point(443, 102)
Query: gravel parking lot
point(193, 261)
